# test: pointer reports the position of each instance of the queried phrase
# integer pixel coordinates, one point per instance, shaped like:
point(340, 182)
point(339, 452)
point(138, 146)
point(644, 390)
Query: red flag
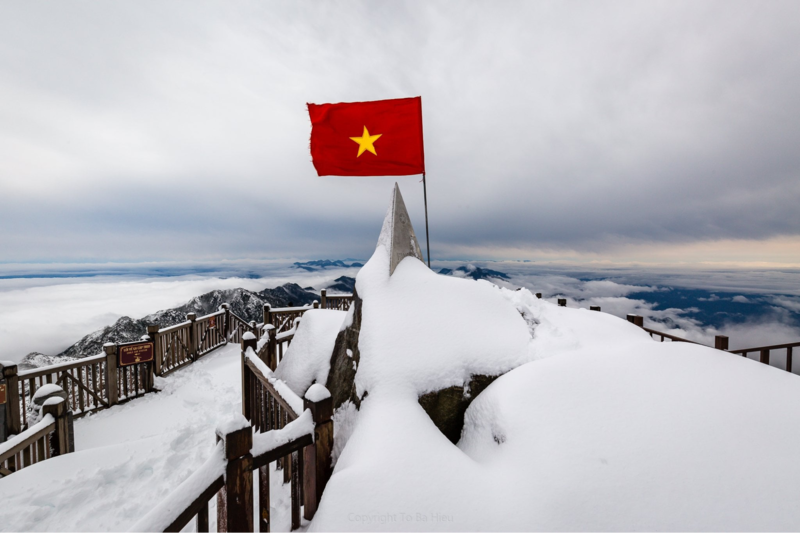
point(381, 138)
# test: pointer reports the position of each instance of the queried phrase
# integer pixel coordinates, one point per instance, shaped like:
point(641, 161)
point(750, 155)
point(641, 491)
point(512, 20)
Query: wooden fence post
point(248, 341)
point(315, 304)
point(317, 457)
point(235, 499)
point(594, 308)
point(721, 342)
point(112, 390)
point(789, 359)
point(267, 314)
point(152, 332)
point(3, 402)
point(193, 340)
point(323, 298)
point(539, 295)
point(273, 349)
point(765, 357)
point(61, 437)
point(638, 320)
point(562, 302)
point(227, 325)
point(13, 418)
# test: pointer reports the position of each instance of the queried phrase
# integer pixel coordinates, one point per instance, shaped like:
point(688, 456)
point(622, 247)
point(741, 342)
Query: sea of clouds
point(46, 308)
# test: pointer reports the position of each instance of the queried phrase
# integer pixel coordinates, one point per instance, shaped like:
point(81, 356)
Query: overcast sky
point(624, 131)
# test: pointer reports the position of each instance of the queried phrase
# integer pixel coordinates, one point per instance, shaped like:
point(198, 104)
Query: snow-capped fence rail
point(283, 317)
point(339, 302)
point(85, 382)
point(721, 342)
point(270, 405)
point(48, 438)
point(228, 474)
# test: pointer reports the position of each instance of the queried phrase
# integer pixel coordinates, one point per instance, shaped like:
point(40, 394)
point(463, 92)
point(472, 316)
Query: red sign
point(131, 354)
point(2, 394)
point(212, 322)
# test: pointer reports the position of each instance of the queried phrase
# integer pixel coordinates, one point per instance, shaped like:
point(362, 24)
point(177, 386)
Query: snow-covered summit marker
point(397, 233)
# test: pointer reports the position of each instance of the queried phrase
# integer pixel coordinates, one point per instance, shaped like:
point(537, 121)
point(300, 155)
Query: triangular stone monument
point(397, 233)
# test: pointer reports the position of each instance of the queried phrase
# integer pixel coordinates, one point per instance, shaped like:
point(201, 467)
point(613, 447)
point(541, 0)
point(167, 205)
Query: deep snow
point(593, 426)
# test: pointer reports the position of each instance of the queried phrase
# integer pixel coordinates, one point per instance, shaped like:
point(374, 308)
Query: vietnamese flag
point(380, 138)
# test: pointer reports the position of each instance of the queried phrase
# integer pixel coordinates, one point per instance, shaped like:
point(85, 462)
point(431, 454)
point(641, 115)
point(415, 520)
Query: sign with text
point(131, 354)
point(2, 393)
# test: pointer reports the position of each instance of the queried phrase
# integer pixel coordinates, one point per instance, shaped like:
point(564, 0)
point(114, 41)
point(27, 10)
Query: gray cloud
point(164, 131)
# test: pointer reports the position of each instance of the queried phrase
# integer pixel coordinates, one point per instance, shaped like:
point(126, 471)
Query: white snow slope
point(596, 426)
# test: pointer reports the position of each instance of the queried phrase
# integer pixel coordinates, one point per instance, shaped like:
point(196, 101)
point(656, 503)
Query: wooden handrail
point(60, 367)
point(19, 442)
point(761, 348)
point(285, 398)
point(670, 337)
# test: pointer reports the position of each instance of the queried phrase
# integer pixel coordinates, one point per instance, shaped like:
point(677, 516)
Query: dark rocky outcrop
point(345, 360)
point(446, 407)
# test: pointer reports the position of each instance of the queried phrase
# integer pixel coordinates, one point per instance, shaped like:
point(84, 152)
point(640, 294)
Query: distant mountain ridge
point(474, 272)
point(321, 264)
point(247, 304)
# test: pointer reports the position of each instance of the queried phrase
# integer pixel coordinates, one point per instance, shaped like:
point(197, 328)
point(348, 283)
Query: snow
point(18, 439)
point(294, 400)
point(265, 442)
point(317, 392)
point(47, 390)
point(593, 426)
point(168, 509)
point(308, 358)
point(248, 336)
point(234, 423)
point(55, 400)
point(132, 457)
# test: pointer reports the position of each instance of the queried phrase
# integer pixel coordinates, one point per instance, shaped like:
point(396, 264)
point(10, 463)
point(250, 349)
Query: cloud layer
point(141, 131)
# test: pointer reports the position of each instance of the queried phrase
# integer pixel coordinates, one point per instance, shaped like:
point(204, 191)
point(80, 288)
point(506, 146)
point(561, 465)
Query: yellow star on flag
point(365, 142)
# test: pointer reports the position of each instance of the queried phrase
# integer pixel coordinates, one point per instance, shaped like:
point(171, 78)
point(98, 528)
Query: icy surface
point(308, 358)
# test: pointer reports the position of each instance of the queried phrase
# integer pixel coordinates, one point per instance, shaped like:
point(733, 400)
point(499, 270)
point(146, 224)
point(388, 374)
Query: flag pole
point(427, 235)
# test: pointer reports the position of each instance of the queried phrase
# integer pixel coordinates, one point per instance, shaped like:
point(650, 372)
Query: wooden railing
point(721, 343)
point(237, 326)
point(174, 347)
point(764, 352)
point(47, 438)
point(210, 332)
point(100, 381)
point(275, 432)
point(340, 302)
point(84, 381)
point(282, 318)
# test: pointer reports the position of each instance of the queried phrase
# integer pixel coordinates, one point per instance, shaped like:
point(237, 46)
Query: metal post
point(427, 235)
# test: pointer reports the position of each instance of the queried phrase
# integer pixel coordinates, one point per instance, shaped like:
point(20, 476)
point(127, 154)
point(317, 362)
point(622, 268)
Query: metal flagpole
point(427, 235)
